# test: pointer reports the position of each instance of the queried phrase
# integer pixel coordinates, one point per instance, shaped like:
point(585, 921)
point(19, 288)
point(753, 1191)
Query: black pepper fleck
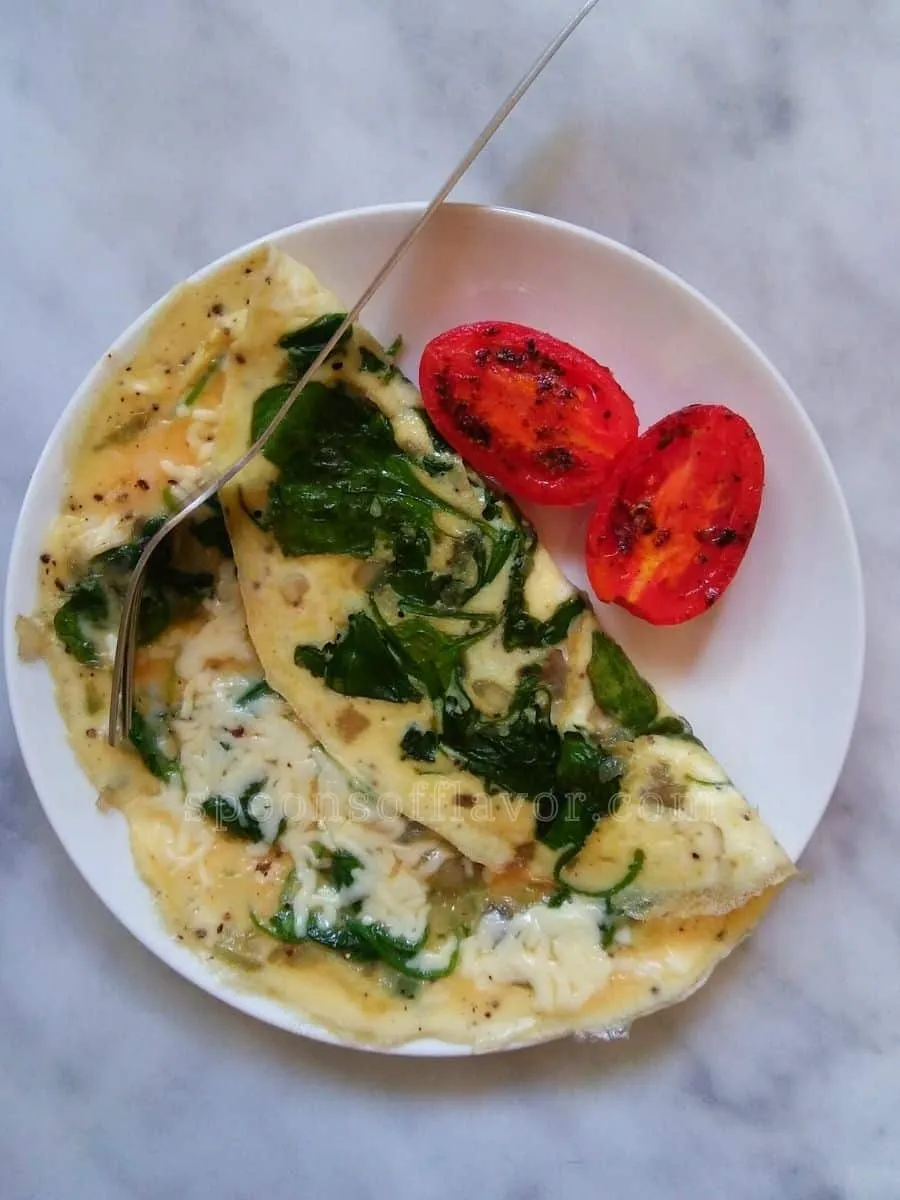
point(557, 458)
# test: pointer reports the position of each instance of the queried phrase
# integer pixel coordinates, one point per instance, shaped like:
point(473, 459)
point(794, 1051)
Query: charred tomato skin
point(675, 515)
point(533, 413)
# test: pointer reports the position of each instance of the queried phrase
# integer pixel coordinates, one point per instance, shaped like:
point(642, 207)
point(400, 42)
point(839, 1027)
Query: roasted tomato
point(676, 511)
point(533, 413)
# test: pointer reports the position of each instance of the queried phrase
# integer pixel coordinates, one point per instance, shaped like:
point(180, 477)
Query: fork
point(122, 697)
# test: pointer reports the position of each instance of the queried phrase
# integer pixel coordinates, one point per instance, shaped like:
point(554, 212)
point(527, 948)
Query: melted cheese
point(390, 883)
point(554, 951)
point(201, 432)
point(226, 749)
point(90, 534)
point(184, 479)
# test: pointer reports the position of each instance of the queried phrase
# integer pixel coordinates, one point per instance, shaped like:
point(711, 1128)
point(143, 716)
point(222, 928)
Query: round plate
point(770, 678)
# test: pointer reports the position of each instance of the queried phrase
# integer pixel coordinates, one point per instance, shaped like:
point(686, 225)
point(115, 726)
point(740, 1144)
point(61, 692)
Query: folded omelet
point(386, 767)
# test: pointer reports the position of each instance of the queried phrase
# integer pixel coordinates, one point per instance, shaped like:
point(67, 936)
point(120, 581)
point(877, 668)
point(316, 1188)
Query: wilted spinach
point(521, 631)
point(516, 752)
point(92, 604)
point(397, 663)
point(619, 690)
point(351, 936)
point(236, 816)
point(256, 691)
point(573, 782)
point(152, 738)
point(344, 487)
point(587, 788)
point(210, 531)
point(304, 345)
point(361, 661)
point(420, 744)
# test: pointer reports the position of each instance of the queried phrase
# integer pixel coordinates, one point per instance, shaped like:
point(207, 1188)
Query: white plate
point(770, 678)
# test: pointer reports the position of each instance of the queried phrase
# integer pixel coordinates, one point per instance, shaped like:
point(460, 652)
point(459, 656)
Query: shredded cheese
point(554, 951)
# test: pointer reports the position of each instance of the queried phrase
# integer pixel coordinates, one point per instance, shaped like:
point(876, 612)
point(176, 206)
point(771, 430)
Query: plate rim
point(165, 948)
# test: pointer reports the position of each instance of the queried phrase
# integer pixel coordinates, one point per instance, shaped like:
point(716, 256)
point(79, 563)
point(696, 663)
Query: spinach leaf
point(376, 365)
point(395, 348)
point(420, 744)
point(123, 559)
point(351, 936)
point(440, 444)
point(255, 692)
point(676, 727)
point(396, 952)
point(155, 614)
point(342, 937)
point(185, 588)
point(92, 604)
point(521, 631)
point(587, 786)
point(361, 661)
point(210, 531)
point(572, 781)
point(235, 815)
point(149, 737)
point(430, 655)
point(306, 343)
point(343, 864)
point(318, 417)
point(344, 487)
point(282, 924)
point(619, 690)
point(634, 869)
point(477, 560)
point(75, 622)
point(516, 752)
point(371, 362)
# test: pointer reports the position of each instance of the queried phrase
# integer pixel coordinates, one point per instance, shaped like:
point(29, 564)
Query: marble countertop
point(751, 148)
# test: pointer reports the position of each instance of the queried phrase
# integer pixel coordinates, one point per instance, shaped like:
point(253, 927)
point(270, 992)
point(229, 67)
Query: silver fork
point(122, 698)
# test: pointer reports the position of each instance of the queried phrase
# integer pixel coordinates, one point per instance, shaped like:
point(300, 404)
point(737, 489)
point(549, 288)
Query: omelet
point(385, 767)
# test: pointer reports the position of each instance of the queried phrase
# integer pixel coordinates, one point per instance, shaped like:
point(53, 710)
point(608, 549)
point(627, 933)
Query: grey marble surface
point(752, 148)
